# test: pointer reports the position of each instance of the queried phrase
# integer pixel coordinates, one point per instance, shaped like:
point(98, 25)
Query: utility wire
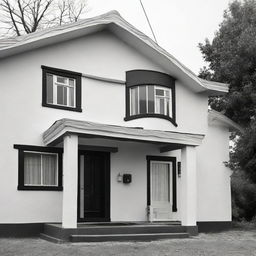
point(148, 20)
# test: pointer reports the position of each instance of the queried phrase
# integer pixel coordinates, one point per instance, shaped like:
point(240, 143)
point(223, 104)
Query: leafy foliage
point(244, 155)
point(243, 197)
point(232, 59)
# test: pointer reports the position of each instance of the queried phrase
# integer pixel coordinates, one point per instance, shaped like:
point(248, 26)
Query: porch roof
point(167, 139)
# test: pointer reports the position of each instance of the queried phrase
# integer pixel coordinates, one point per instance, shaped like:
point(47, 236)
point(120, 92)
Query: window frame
point(66, 74)
point(137, 78)
point(40, 150)
point(149, 159)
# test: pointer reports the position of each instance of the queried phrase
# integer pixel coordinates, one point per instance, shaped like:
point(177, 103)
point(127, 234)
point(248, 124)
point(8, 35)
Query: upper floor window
point(61, 89)
point(150, 94)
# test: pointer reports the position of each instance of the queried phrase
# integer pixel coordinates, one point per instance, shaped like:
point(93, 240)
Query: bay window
point(150, 94)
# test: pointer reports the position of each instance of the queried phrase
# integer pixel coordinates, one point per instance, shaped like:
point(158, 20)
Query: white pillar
point(188, 186)
point(70, 177)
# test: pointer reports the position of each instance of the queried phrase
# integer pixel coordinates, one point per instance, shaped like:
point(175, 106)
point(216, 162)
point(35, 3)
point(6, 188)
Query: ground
point(235, 242)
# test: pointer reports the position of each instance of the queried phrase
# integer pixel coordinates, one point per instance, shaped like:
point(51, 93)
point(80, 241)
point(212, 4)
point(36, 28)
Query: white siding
point(213, 185)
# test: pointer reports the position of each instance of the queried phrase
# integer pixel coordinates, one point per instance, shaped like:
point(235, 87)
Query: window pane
point(32, 169)
point(167, 107)
point(49, 169)
point(134, 101)
point(49, 88)
point(160, 92)
point(71, 82)
point(60, 92)
point(162, 106)
point(151, 104)
point(61, 79)
point(71, 97)
point(143, 102)
point(65, 90)
point(160, 182)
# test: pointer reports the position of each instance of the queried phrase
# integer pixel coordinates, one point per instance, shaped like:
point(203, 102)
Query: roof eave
point(224, 120)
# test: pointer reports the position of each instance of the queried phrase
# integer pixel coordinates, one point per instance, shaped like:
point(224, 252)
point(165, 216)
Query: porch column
point(188, 187)
point(70, 176)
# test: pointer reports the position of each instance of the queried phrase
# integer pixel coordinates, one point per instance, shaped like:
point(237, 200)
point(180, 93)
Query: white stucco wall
point(23, 120)
point(213, 178)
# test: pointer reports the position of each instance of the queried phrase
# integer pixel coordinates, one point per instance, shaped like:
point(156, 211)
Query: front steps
point(103, 232)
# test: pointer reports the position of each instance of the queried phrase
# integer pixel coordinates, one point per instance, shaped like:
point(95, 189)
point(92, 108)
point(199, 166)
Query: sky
point(179, 25)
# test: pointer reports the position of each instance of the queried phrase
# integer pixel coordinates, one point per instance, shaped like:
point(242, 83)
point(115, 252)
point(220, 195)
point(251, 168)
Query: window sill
point(128, 118)
point(40, 188)
point(77, 109)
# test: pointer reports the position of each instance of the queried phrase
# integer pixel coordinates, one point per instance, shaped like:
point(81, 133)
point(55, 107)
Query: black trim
point(39, 149)
point(66, 73)
point(174, 178)
point(128, 118)
point(148, 77)
point(98, 148)
point(213, 226)
point(21, 229)
point(135, 78)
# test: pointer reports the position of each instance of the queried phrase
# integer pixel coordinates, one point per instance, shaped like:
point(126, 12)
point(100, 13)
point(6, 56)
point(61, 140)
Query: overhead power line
point(148, 21)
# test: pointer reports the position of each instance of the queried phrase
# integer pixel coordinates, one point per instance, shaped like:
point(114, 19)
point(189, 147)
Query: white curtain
point(40, 169)
point(49, 168)
point(160, 176)
point(32, 169)
point(134, 101)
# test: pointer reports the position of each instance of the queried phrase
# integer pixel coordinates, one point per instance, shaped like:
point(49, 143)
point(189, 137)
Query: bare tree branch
point(26, 16)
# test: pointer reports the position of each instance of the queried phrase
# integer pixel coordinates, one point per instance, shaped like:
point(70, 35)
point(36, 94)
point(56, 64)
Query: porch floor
point(121, 223)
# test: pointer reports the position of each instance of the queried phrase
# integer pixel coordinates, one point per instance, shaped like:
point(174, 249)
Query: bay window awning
point(167, 140)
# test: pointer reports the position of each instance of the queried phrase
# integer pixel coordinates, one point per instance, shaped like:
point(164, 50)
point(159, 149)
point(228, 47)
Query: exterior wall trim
point(21, 229)
point(213, 226)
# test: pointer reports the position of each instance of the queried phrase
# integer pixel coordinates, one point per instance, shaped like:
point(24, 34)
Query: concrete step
point(126, 237)
point(129, 230)
point(57, 231)
point(51, 239)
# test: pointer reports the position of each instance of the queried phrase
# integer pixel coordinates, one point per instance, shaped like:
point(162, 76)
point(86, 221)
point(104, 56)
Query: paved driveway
point(242, 243)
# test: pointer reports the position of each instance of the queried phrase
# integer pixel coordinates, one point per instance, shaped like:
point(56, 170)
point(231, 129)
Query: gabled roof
point(214, 116)
point(123, 30)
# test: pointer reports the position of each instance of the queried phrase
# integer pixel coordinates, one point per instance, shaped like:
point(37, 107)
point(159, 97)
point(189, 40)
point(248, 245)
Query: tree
point(27, 16)
point(232, 59)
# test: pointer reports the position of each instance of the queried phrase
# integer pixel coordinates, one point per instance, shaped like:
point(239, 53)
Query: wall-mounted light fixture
point(179, 169)
point(119, 177)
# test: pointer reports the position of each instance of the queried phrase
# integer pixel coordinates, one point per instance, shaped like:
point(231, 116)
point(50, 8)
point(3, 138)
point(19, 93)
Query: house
point(100, 124)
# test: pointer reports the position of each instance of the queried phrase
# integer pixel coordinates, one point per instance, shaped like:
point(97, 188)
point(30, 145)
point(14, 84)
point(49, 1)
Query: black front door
point(94, 186)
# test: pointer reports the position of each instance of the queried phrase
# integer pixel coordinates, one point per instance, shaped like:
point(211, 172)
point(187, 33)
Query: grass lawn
point(234, 242)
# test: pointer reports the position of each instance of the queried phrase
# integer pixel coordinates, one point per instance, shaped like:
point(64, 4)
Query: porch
point(77, 137)
point(115, 231)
